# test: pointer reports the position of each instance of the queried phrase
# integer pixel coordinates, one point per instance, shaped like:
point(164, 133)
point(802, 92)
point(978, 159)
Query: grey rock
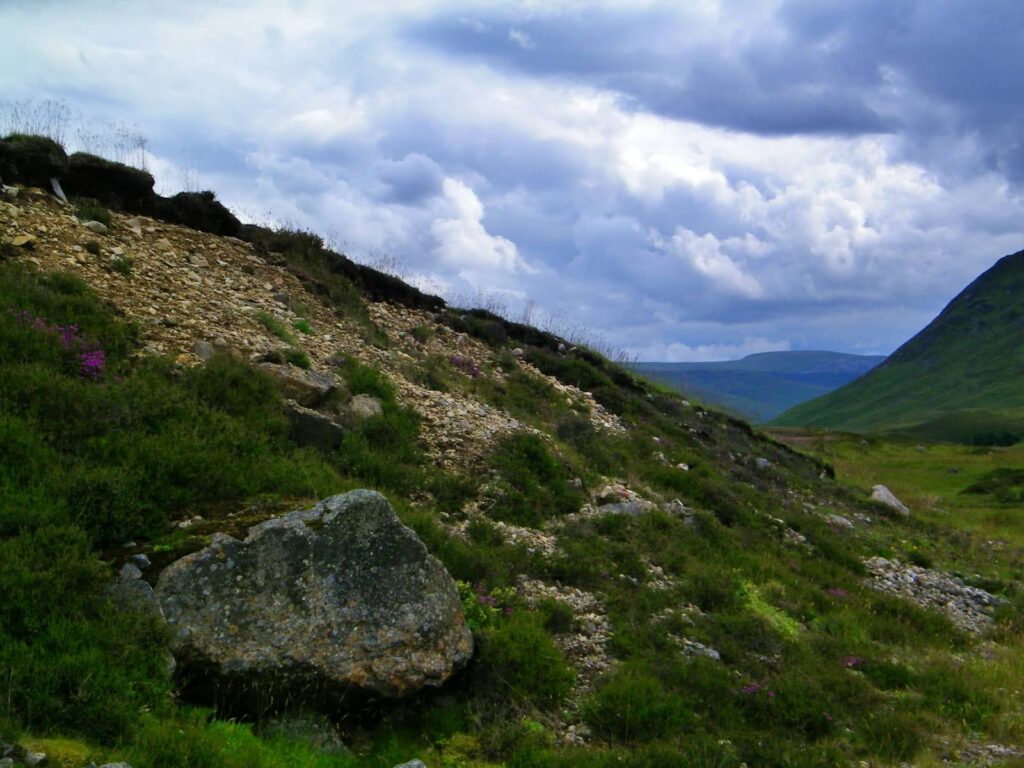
point(357, 603)
point(518, 352)
point(35, 758)
point(140, 560)
point(365, 407)
point(762, 464)
point(135, 225)
point(197, 259)
point(630, 508)
point(313, 429)
point(115, 765)
point(883, 495)
point(307, 388)
point(412, 764)
point(128, 592)
point(204, 350)
point(838, 521)
point(95, 226)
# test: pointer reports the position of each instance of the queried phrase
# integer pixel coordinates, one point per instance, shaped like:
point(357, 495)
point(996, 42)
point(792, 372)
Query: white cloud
point(462, 241)
point(706, 353)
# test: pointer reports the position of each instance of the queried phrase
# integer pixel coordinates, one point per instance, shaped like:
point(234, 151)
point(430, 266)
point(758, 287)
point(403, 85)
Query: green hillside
point(761, 386)
point(960, 379)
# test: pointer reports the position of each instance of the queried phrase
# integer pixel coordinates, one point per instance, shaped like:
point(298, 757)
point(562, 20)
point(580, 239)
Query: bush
point(90, 210)
point(519, 655)
point(631, 705)
point(198, 210)
point(534, 484)
point(31, 160)
point(111, 184)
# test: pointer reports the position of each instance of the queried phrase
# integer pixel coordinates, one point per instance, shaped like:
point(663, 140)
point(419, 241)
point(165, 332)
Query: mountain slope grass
point(959, 379)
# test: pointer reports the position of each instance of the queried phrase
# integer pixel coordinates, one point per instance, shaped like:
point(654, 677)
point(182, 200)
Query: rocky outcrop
point(338, 598)
point(969, 608)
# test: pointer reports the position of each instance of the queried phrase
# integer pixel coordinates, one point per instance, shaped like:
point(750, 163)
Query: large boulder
point(336, 599)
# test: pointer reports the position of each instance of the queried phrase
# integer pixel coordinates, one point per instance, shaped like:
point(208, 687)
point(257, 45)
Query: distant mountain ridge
point(762, 385)
point(960, 379)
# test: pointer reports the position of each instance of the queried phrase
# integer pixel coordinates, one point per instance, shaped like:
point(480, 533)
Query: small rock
point(35, 758)
point(140, 561)
point(365, 407)
point(135, 225)
point(762, 464)
point(203, 350)
point(883, 495)
point(95, 226)
point(412, 764)
point(24, 241)
point(838, 521)
point(518, 352)
point(163, 244)
point(11, 192)
point(198, 260)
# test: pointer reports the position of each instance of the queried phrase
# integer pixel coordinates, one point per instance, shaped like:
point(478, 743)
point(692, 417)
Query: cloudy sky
point(686, 179)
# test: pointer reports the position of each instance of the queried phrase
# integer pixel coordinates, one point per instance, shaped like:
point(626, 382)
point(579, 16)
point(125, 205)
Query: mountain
point(961, 379)
point(761, 386)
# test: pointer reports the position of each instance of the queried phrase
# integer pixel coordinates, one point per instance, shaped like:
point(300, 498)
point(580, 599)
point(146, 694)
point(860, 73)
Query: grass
point(276, 327)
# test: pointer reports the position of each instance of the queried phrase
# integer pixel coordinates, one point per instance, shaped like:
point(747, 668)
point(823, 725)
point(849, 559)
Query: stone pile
point(969, 608)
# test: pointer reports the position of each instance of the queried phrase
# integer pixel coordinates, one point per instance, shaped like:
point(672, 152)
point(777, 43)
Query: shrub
point(534, 484)
point(123, 265)
point(302, 325)
point(111, 184)
point(275, 326)
point(297, 357)
point(520, 656)
point(632, 705)
point(198, 210)
point(31, 160)
point(93, 247)
point(90, 210)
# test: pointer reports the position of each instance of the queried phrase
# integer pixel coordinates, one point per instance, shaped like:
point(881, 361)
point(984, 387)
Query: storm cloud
point(686, 180)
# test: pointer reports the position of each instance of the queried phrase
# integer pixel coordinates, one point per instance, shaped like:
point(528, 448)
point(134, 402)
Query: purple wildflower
point(837, 592)
point(853, 661)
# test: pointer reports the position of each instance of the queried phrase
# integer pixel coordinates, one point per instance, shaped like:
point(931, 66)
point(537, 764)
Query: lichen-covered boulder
point(342, 597)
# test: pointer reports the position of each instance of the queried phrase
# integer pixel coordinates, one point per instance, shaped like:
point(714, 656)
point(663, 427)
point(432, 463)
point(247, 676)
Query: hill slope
point(960, 379)
point(761, 386)
point(649, 583)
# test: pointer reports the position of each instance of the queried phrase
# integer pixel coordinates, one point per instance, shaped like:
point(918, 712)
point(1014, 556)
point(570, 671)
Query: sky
point(679, 180)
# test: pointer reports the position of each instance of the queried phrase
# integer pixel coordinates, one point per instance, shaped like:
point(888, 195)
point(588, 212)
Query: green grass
point(276, 327)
